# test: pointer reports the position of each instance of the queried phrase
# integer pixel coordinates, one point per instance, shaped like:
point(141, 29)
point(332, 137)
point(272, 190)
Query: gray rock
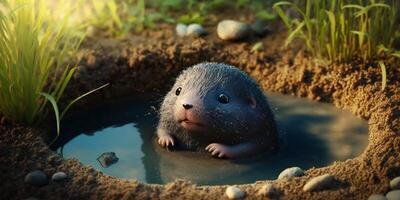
point(233, 192)
point(181, 30)
point(291, 172)
point(232, 30)
point(260, 27)
point(107, 159)
point(393, 195)
point(195, 30)
point(377, 197)
point(268, 190)
point(319, 183)
point(36, 178)
point(59, 176)
point(395, 183)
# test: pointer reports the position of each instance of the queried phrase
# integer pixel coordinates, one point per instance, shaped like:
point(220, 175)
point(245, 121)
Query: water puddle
point(313, 135)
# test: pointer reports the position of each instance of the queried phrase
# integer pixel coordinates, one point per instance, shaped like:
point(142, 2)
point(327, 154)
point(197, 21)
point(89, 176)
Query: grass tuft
point(32, 54)
point(341, 30)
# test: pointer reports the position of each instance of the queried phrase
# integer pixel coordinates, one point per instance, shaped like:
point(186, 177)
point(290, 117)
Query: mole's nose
point(187, 106)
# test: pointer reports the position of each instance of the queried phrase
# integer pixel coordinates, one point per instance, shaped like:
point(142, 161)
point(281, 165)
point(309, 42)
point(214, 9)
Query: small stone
point(107, 159)
point(195, 30)
point(395, 183)
point(319, 183)
point(234, 192)
point(232, 30)
point(393, 195)
point(291, 172)
point(268, 190)
point(377, 197)
point(36, 178)
point(259, 27)
point(181, 30)
point(59, 176)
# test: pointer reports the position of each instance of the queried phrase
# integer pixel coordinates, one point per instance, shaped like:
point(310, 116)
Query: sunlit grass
point(32, 54)
point(341, 30)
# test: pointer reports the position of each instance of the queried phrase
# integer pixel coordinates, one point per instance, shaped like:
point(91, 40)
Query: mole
point(219, 109)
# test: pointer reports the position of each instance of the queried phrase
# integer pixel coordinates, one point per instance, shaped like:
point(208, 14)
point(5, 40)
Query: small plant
point(32, 51)
point(191, 18)
point(340, 30)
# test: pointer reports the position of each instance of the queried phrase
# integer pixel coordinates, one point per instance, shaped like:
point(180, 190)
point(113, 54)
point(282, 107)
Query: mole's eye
point(223, 98)
point(178, 91)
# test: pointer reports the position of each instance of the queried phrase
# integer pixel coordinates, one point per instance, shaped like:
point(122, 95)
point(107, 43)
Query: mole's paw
point(165, 141)
point(220, 150)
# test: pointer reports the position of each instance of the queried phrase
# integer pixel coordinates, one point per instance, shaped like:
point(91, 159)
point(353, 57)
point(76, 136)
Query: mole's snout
point(187, 106)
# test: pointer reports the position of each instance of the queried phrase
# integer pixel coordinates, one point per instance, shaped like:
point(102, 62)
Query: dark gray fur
point(207, 80)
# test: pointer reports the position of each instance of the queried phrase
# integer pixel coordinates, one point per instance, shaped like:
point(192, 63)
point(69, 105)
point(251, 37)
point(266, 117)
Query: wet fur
point(254, 126)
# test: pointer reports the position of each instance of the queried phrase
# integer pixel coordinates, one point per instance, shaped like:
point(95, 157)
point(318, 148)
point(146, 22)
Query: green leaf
point(80, 97)
point(257, 46)
point(383, 71)
point(294, 33)
point(55, 109)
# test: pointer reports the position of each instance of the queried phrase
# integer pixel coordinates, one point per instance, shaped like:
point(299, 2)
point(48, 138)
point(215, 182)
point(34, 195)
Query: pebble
point(393, 195)
point(259, 27)
point(291, 172)
point(268, 190)
point(181, 30)
point(59, 176)
point(319, 183)
point(234, 192)
point(232, 30)
point(107, 159)
point(36, 178)
point(195, 30)
point(377, 197)
point(395, 183)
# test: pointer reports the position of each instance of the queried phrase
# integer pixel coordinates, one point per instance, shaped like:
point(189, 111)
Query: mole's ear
point(252, 101)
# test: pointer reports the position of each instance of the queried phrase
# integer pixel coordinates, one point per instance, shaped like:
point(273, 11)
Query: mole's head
point(214, 97)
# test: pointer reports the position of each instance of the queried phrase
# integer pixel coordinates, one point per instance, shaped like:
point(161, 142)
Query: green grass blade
point(55, 109)
point(80, 97)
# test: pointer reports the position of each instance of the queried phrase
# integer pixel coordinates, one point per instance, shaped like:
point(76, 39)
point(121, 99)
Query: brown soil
point(148, 63)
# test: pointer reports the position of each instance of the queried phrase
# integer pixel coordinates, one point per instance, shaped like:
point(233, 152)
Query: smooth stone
point(377, 197)
point(319, 183)
point(234, 192)
point(393, 195)
point(395, 183)
point(195, 30)
point(232, 30)
point(36, 178)
point(259, 27)
point(59, 176)
point(181, 30)
point(268, 190)
point(291, 172)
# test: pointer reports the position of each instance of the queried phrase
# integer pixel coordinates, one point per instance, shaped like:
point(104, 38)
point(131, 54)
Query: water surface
point(312, 135)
